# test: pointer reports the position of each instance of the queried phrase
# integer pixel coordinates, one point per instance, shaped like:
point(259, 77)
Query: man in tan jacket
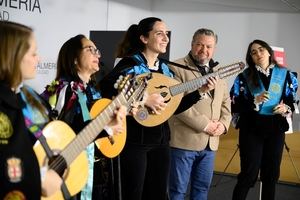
point(195, 132)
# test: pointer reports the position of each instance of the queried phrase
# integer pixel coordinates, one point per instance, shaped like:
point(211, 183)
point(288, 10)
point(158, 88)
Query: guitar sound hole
point(160, 87)
point(168, 100)
point(164, 94)
point(58, 164)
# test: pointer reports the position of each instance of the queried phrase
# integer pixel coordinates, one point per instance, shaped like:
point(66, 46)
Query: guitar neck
point(91, 131)
point(191, 84)
point(196, 83)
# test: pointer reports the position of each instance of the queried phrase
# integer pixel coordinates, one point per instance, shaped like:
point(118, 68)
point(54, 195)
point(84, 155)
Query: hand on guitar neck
point(211, 84)
point(116, 124)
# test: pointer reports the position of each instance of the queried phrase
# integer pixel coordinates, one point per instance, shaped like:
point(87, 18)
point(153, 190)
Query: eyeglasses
point(93, 50)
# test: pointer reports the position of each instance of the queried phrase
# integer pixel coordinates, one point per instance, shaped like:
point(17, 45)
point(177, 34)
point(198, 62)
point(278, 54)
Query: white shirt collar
point(265, 72)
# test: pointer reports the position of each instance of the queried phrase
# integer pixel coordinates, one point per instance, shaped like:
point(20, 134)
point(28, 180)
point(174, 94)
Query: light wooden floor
point(228, 145)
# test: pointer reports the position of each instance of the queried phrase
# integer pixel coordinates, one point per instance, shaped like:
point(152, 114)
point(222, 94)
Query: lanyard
point(34, 119)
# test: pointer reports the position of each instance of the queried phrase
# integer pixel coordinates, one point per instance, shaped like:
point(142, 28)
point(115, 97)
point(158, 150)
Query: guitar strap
point(178, 65)
point(141, 66)
point(29, 112)
point(184, 66)
point(32, 114)
point(212, 64)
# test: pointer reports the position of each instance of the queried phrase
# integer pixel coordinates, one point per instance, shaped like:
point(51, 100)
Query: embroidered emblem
point(14, 169)
point(6, 129)
point(275, 88)
point(14, 195)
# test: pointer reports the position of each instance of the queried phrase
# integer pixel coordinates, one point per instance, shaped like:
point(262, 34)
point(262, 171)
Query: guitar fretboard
point(200, 81)
point(190, 85)
point(91, 131)
point(126, 97)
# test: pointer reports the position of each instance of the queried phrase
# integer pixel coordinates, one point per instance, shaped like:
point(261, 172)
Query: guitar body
point(104, 144)
point(71, 147)
point(159, 83)
point(164, 85)
point(59, 135)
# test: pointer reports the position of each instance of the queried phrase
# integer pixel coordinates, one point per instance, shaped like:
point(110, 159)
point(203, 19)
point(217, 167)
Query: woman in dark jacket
point(71, 96)
point(145, 159)
point(262, 97)
point(20, 174)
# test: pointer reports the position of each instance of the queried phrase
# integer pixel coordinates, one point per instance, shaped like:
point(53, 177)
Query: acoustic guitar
point(71, 162)
point(110, 146)
point(172, 91)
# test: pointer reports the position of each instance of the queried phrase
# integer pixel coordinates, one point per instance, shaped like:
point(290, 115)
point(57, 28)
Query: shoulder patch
point(6, 128)
point(14, 169)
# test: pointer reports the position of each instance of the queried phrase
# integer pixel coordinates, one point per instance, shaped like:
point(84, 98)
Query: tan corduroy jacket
point(187, 127)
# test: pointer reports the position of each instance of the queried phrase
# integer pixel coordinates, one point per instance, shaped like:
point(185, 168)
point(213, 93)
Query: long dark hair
point(68, 54)
point(131, 42)
point(128, 44)
point(253, 76)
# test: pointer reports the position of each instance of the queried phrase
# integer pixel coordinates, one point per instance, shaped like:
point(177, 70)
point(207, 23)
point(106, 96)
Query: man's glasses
point(93, 50)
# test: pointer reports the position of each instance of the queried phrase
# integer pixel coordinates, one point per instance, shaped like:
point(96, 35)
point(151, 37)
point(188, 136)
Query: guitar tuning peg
point(120, 86)
point(126, 87)
point(116, 85)
point(119, 82)
point(128, 76)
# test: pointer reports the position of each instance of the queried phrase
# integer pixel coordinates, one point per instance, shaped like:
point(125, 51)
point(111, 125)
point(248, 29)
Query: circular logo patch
point(6, 129)
point(275, 88)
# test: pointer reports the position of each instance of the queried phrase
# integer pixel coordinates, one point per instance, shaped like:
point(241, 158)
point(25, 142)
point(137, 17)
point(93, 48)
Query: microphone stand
point(225, 169)
point(292, 160)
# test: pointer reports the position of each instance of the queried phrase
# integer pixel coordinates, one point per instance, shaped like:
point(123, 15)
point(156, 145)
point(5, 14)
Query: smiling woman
point(71, 95)
point(145, 159)
point(146, 148)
